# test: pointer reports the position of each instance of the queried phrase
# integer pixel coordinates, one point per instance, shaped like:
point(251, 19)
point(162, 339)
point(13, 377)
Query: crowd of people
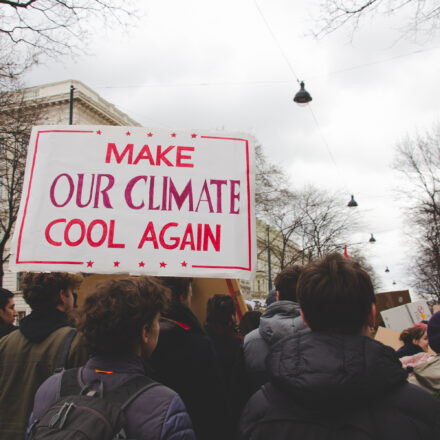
point(134, 362)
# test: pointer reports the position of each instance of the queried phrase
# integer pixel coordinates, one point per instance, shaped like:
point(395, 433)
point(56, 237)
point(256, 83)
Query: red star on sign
point(141, 264)
point(128, 133)
point(193, 135)
point(184, 263)
point(90, 263)
point(150, 134)
point(163, 264)
point(99, 132)
point(116, 263)
point(173, 135)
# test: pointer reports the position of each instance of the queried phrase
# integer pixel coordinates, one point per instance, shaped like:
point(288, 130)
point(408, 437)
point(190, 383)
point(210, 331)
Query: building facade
point(53, 102)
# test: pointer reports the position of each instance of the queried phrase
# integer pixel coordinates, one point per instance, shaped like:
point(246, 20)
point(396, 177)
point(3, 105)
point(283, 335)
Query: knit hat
point(434, 332)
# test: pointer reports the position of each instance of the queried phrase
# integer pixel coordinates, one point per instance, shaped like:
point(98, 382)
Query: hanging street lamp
point(352, 203)
point(303, 96)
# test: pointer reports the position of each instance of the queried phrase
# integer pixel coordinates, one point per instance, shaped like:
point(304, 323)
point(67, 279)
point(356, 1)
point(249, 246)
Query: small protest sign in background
point(136, 200)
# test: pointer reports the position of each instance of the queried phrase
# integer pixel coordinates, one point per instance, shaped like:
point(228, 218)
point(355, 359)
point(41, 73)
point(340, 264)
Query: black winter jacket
point(337, 386)
point(185, 361)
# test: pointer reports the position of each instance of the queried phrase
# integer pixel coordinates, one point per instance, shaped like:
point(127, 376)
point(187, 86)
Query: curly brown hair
point(41, 290)
point(112, 318)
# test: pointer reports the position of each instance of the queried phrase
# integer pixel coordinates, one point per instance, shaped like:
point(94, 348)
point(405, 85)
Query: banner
point(136, 200)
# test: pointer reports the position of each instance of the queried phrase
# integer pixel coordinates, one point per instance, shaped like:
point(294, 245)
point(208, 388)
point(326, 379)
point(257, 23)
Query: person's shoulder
point(251, 336)
point(46, 395)
point(413, 401)
point(254, 411)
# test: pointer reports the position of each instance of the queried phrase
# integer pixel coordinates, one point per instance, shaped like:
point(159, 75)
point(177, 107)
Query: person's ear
point(371, 321)
point(304, 319)
point(278, 295)
point(62, 297)
point(144, 335)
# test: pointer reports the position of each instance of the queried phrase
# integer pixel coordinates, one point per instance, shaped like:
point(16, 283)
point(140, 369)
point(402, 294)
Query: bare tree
point(422, 16)
point(16, 120)
point(57, 27)
point(270, 182)
point(325, 224)
point(418, 159)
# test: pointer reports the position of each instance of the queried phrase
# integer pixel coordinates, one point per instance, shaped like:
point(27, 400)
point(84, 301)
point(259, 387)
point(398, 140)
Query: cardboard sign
point(402, 317)
point(136, 200)
point(388, 300)
point(202, 290)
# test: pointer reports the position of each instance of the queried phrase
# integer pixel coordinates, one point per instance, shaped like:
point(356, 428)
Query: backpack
point(86, 413)
point(285, 419)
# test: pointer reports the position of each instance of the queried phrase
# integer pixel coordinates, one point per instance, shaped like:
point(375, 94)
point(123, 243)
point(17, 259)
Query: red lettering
point(149, 235)
point(205, 191)
point(129, 189)
point(188, 238)
point(145, 153)
point(47, 232)
point(111, 234)
point(82, 226)
point(234, 196)
point(103, 234)
point(175, 240)
point(111, 148)
point(180, 157)
point(160, 155)
point(208, 235)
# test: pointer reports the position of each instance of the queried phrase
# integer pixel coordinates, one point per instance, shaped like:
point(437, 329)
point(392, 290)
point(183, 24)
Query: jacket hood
point(324, 369)
point(40, 324)
point(277, 321)
point(428, 374)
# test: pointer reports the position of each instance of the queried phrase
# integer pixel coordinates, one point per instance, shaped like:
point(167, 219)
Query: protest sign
point(139, 201)
point(402, 317)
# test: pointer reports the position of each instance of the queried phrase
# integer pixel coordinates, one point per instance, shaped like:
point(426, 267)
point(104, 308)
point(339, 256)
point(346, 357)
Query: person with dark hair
point(7, 312)
point(415, 340)
point(336, 381)
point(44, 341)
point(280, 319)
point(120, 346)
point(249, 322)
point(221, 326)
point(185, 360)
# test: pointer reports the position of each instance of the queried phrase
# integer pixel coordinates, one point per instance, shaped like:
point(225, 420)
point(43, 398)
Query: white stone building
point(54, 102)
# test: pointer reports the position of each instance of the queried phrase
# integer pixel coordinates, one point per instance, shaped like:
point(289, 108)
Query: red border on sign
point(17, 260)
point(249, 209)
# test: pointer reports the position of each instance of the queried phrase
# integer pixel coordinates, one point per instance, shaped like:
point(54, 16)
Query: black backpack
point(286, 420)
point(86, 414)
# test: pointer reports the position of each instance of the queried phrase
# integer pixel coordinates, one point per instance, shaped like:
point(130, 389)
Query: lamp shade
point(303, 96)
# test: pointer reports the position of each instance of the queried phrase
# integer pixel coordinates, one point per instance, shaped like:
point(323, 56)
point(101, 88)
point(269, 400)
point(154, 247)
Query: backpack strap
point(69, 385)
point(125, 393)
point(64, 352)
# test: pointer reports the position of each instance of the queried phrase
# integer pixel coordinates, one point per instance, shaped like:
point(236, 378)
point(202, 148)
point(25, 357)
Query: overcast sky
point(216, 65)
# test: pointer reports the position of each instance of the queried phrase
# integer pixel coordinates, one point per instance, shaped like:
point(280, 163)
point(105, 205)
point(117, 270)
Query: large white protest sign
point(136, 200)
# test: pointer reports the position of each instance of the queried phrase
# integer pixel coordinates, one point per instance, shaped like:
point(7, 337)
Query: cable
point(276, 41)
point(327, 146)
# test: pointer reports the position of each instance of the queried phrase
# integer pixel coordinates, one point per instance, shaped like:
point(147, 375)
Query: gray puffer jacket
point(280, 319)
point(156, 414)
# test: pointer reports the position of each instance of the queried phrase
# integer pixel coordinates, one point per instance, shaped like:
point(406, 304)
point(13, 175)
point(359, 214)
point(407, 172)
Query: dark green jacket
point(24, 366)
